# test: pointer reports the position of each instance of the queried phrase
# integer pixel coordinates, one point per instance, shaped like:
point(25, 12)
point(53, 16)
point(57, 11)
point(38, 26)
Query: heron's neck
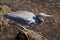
point(39, 20)
point(37, 16)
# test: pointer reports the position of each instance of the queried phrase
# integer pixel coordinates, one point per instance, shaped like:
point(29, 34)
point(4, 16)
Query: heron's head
point(43, 14)
point(41, 20)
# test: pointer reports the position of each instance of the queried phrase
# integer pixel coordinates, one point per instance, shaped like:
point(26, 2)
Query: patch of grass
point(4, 9)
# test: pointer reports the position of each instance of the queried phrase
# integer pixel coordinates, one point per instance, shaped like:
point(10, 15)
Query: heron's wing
point(22, 14)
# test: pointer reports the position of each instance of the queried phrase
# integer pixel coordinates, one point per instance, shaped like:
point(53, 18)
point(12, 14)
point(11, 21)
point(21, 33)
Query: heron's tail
point(5, 15)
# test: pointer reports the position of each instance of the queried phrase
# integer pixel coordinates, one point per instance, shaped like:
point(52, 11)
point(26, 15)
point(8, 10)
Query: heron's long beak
point(42, 14)
point(47, 15)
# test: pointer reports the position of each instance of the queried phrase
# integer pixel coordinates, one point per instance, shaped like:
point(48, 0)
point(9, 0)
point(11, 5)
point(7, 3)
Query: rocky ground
point(50, 30)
